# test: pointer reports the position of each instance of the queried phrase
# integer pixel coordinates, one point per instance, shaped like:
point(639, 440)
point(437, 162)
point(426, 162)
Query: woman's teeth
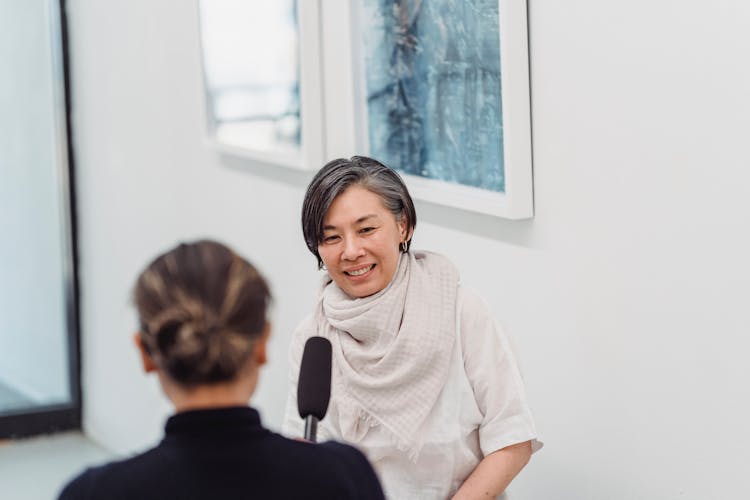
point(360, 272)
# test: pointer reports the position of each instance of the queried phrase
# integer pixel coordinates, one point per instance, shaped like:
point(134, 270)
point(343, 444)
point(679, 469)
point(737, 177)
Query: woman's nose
point(352, 249)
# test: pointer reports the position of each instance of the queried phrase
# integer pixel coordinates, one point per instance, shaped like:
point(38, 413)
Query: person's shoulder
point(338, 470)
point(477, 321)
point(347, 454)
point(89, 483)
point(435, 260)
point(305, 329)
point(101, 480)
point(361, 478)
point(341, 450)
point(307, 323)
point(329, 452)
point(470, 302)
point(81, 486)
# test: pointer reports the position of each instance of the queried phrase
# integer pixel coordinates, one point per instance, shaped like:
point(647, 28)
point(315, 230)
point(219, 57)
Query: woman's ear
point(403, 227)
point(260, 351)
point(148, 362)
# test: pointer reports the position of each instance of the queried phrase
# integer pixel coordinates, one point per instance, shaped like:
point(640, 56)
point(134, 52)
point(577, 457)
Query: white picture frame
point(310, 155)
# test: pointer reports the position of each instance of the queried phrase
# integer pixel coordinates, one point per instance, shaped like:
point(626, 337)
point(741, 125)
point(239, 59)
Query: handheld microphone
point(314, 384)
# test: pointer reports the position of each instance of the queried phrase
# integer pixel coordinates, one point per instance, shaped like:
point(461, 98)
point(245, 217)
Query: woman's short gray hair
point(338, 175)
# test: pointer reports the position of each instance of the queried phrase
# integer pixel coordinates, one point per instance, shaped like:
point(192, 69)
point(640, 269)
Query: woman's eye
point(366, 229)
point(330, 239)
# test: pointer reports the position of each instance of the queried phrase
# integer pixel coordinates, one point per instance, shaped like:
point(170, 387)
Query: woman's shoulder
point(433, 260)
point(80, 487)
point(337, 468)
point(470, 302)
point(476, 320)
point(344, 452)
point(108, 479)
point(357, 469)
point(299, 450)
point(306, 328)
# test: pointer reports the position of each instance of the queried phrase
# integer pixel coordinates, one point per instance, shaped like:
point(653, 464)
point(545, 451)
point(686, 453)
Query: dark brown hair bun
point(201, 308)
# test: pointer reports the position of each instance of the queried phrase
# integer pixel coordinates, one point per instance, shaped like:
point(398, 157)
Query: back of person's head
point(201, 307)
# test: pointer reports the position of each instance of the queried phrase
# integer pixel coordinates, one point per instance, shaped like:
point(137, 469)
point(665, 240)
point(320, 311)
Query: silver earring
point(404, 247)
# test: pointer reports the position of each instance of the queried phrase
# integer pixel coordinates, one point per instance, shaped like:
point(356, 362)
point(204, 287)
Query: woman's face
point(361, 241)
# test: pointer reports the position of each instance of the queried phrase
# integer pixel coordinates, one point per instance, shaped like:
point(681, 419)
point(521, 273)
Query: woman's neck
point(205, 396)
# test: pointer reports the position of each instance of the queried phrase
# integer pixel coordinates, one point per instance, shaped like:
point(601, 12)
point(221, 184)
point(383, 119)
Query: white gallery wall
point(625, 295)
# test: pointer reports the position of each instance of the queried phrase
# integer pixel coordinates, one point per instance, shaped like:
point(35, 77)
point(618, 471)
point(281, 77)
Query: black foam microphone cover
point(314, 384)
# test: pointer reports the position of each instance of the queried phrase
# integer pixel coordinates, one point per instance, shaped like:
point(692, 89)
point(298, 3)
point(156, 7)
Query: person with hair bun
point(424, 380)
point(203, 330)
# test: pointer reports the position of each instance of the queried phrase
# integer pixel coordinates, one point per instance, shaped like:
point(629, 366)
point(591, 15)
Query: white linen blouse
point(481, 409)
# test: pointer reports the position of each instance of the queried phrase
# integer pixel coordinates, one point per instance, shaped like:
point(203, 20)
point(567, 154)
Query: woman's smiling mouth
point(360, 271)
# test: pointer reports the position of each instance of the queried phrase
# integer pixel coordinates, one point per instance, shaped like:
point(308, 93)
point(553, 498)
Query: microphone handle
point(311, 428)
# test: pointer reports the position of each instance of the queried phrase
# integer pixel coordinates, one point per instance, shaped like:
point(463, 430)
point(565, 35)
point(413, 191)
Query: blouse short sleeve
point(494, 376)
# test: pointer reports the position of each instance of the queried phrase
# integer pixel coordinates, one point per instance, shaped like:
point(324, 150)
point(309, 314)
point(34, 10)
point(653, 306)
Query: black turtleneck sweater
point(226, 454)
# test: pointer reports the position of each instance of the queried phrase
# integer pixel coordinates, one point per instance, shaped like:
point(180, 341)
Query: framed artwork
point(261, 70)
point(440, 91)
point(437, 89)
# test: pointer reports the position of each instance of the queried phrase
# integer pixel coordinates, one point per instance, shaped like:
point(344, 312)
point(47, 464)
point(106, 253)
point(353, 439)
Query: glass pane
point(34, 338)
point(432, 74)
point(251, 65)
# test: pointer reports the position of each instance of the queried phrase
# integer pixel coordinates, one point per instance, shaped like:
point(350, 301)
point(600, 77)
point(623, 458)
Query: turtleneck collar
point(214, 421)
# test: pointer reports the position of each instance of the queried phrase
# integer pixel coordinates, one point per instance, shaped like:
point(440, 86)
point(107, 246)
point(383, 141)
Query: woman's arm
point(496, 382)
point(495, 472)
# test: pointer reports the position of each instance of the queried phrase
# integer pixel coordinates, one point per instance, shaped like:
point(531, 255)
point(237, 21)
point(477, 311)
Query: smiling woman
point(424, 380)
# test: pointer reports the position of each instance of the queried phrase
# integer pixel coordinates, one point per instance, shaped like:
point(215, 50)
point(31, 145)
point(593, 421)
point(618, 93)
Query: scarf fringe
point(356, 415)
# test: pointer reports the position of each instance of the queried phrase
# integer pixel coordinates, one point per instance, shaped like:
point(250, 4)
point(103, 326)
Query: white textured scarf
point(391, 350)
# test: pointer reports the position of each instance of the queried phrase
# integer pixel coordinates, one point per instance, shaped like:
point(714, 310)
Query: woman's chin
point(359, 290)
point(357, 293)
